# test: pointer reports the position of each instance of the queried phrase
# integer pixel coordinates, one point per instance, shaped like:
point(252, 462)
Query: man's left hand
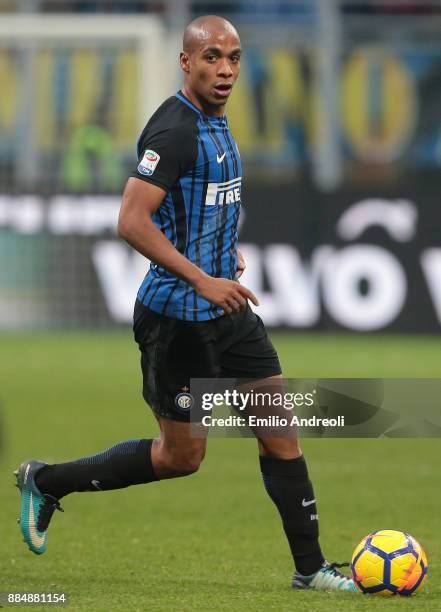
point(240, 264)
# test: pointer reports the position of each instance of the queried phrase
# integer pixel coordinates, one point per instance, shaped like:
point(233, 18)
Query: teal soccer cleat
point(328, 578)
point(36, 508)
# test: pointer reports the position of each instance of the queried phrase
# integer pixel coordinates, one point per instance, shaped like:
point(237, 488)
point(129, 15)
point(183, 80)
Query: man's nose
point(224, 69)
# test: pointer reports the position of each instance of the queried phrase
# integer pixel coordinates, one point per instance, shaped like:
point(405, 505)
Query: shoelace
point(46, 511)
point(334, 567)
point(331, 573)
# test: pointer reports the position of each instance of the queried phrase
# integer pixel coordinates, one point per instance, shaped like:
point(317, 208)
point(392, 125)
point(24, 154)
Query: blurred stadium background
point(337, 116)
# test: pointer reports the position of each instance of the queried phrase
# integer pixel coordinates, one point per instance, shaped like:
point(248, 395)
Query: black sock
point(288, 485)
point(127, 463)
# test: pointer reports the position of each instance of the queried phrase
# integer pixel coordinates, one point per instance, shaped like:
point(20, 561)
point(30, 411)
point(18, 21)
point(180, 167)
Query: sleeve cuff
point(151, 179)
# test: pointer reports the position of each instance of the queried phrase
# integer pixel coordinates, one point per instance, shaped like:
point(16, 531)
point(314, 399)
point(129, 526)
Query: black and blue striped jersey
point(194, 157)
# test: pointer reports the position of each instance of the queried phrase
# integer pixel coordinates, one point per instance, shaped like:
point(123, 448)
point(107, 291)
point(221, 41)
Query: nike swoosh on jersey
point(219, 159)
point(36, 539)
point(307, 503)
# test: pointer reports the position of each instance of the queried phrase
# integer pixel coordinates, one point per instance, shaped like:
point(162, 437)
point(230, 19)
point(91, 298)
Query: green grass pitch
point(212, 541)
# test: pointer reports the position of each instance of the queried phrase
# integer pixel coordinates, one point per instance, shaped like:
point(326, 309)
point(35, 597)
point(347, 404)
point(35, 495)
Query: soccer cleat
point(36, 508)
point(328, 578)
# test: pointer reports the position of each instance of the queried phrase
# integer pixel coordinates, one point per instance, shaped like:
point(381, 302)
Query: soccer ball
point(389, 562)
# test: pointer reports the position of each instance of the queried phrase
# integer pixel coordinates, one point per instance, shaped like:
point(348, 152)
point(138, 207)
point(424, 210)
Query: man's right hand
point(228, 294)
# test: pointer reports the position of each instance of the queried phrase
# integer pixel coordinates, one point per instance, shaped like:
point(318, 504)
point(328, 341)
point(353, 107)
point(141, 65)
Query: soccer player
point(180, 210)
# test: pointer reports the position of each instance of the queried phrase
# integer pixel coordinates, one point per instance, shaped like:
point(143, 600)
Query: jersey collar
point(185, 100)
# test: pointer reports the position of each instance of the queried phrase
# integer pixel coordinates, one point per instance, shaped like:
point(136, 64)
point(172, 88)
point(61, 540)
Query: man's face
point(213, 67)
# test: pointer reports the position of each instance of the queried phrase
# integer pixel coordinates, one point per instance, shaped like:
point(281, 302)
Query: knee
point(279, 448)
point(182, 462)
point(188, 463)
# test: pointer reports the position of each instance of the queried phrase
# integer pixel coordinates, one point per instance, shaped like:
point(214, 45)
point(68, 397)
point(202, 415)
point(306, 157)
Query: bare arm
point(135, 225)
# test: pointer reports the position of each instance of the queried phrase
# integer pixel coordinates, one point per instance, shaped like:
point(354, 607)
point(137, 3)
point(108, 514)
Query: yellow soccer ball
point(389, 562)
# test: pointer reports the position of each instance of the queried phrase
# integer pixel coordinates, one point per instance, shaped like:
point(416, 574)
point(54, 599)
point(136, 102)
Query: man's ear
point(184, 60)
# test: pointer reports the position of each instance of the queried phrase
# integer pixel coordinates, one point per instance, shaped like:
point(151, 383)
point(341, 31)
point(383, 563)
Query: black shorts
point(174, 351)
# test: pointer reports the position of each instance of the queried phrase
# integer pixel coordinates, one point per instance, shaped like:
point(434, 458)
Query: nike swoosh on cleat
point(37, 540)
point(307, 503)
point(219, 159)
point(96, 484)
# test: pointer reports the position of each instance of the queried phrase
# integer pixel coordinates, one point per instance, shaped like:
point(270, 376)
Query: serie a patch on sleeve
point(148, 163)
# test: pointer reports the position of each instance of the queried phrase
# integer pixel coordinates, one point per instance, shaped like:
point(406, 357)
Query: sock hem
point(283, 467)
